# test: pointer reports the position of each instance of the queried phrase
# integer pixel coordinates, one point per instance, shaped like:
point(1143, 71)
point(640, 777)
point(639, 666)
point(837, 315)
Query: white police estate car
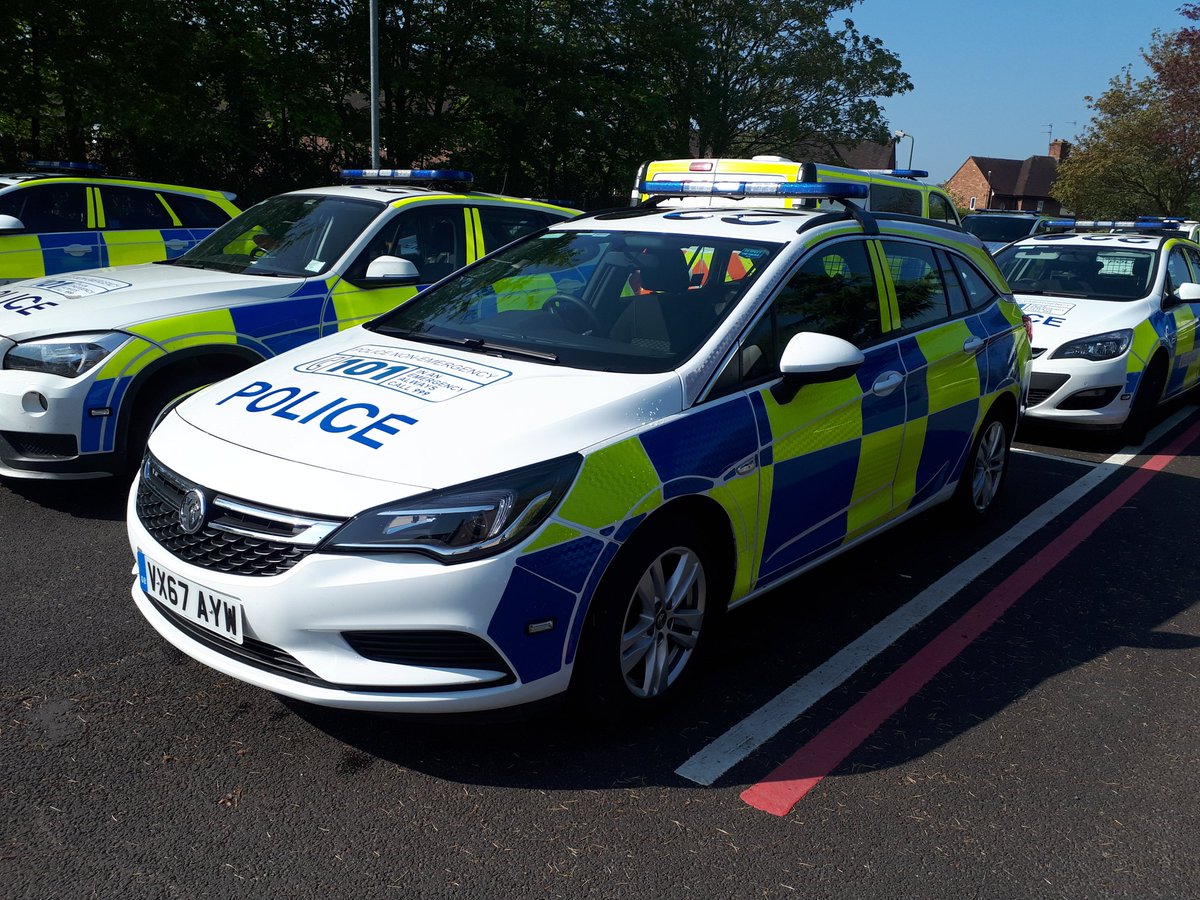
point(87, 360)
point(563, 463)
point(1114, 321)
point(63, 217)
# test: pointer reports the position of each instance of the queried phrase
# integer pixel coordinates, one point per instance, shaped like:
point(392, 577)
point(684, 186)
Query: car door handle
point(886, 383)
point(77, 249)
point(176, 244)
point(973, 345)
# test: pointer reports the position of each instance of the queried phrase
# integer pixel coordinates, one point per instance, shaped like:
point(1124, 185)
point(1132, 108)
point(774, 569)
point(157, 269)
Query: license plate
point(211, 610)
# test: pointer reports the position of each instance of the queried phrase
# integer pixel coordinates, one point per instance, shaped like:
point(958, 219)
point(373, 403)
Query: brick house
point(987, 182)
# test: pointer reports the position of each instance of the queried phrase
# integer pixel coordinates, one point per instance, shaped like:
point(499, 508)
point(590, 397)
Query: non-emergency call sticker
point(80, 285)
point(434, 377)
point(1047, 312)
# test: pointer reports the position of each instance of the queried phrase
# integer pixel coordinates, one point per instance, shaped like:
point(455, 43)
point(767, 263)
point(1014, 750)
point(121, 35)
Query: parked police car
point(997, 227)
point(1114, 321)
point(88, 360)
point(64, 217)
point(888, 190)
point(562, 464)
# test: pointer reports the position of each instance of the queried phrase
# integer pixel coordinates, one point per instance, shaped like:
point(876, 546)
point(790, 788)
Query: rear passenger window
point(131, 208)
point(889, 198)
point(941, 210)
point(196, 212)
point(48, 208)
point(504, 224)
point(920, 294)
point(954, 290)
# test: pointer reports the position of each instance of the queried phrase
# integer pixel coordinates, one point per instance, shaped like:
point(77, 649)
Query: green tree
point(1140, 154)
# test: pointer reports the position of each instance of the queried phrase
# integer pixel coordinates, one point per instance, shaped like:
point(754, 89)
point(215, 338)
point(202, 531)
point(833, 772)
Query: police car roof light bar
point(409, 175)
point(43, 165)
point(825, 190)
point(914, 174)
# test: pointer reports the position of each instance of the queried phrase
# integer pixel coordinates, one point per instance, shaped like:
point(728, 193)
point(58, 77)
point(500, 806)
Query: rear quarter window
point(196, 212)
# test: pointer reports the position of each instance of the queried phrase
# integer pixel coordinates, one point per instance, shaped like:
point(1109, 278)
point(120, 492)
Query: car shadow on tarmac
point(1083, 611)
point(101, 499)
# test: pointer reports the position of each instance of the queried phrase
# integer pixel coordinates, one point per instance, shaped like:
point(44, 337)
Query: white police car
point(87, 360)
point(562, 464)
point(1114, 321)
point(63, 217)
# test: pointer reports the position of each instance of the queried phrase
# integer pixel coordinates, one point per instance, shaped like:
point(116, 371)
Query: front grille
point(1094, 398)
point(41, 446)
point(236, 538)
point(439, 649)
point(1043, 384)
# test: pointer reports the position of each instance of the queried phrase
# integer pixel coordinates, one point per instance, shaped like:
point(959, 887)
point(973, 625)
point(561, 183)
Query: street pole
point(374, 36)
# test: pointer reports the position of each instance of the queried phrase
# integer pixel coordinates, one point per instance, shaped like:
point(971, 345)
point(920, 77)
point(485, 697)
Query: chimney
point(1060, 149)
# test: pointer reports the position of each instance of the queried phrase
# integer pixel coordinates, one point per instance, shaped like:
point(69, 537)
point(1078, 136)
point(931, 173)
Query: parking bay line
point(1067, 459)
point(722, 754)
point(805, 769)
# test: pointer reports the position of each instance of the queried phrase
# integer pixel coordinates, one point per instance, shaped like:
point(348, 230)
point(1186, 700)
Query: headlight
point(470, 521)
point(1097, 347)
point(68, 356)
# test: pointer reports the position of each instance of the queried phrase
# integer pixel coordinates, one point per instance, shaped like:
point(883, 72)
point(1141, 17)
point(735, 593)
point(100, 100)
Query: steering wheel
point(558, 304)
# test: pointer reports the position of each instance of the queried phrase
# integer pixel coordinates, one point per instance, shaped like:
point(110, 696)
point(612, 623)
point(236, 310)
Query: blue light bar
point(829, 190)
point(907, 173)
point(1060, 223)
point(42, 165)
point(410, 174)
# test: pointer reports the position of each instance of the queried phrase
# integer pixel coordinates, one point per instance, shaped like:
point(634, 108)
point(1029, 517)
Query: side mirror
point(1188, 292)
point(812, 358)
point(393, 268)
point(11, 223)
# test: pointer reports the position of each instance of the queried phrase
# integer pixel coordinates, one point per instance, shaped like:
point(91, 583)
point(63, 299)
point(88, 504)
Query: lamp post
point(898, 136)
point(373, 36)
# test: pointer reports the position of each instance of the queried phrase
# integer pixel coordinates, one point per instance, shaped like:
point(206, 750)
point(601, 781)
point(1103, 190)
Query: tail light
point(1028, 323)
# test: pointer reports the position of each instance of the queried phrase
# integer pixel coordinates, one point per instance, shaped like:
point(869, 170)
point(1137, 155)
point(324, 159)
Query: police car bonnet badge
point(191, 511)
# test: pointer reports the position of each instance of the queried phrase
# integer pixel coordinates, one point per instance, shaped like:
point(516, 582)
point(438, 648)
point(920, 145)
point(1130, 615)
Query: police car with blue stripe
point(63, 217)
point(1115, 307)
point(561, 465)
point(88, 359)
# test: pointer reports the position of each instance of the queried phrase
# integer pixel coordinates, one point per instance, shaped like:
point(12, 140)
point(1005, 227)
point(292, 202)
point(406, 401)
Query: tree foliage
point(557, 98)
point(1140, 154)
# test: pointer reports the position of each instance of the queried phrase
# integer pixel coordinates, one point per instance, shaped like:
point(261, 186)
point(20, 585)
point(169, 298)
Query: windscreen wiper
point(477, 344)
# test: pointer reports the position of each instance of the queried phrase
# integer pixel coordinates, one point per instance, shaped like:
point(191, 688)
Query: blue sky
point(989, 78)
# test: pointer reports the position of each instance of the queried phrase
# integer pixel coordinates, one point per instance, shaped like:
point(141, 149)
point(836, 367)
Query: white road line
point(1067, 459)
point(706, 766)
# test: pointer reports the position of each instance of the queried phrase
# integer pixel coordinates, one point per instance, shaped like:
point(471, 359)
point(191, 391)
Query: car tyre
point(146, 413)
point(651, 620)
point(1145, 402)
point(986, 470)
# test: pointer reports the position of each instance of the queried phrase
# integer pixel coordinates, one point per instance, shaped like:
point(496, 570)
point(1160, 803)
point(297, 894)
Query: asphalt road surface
point(1007, 712)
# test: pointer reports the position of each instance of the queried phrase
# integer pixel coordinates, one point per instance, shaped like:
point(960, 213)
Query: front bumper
point(40, 437)
point(1081, 392)
point(298, 627)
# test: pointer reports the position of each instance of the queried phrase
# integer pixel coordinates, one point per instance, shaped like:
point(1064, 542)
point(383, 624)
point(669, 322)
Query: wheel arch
point(218, 360)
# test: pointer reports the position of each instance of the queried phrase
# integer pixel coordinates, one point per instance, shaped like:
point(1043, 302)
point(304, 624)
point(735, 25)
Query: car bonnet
point(121, 298)
point(1060, 319)
point(418, 415)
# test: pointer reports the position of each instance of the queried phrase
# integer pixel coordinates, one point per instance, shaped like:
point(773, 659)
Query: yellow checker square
point(611, 482)
point(127, 248)
point(949, 385)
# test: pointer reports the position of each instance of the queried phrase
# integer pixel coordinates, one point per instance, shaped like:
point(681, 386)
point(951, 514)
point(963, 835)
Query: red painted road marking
point(799, 774)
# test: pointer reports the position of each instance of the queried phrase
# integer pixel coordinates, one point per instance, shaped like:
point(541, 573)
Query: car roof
point(1100, 239)
point(390, 193)
point(769, 224)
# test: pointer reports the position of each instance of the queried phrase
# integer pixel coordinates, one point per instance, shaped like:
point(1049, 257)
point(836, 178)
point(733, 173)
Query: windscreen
point(1100, 273)
point(602, 300)
point(293, 236)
